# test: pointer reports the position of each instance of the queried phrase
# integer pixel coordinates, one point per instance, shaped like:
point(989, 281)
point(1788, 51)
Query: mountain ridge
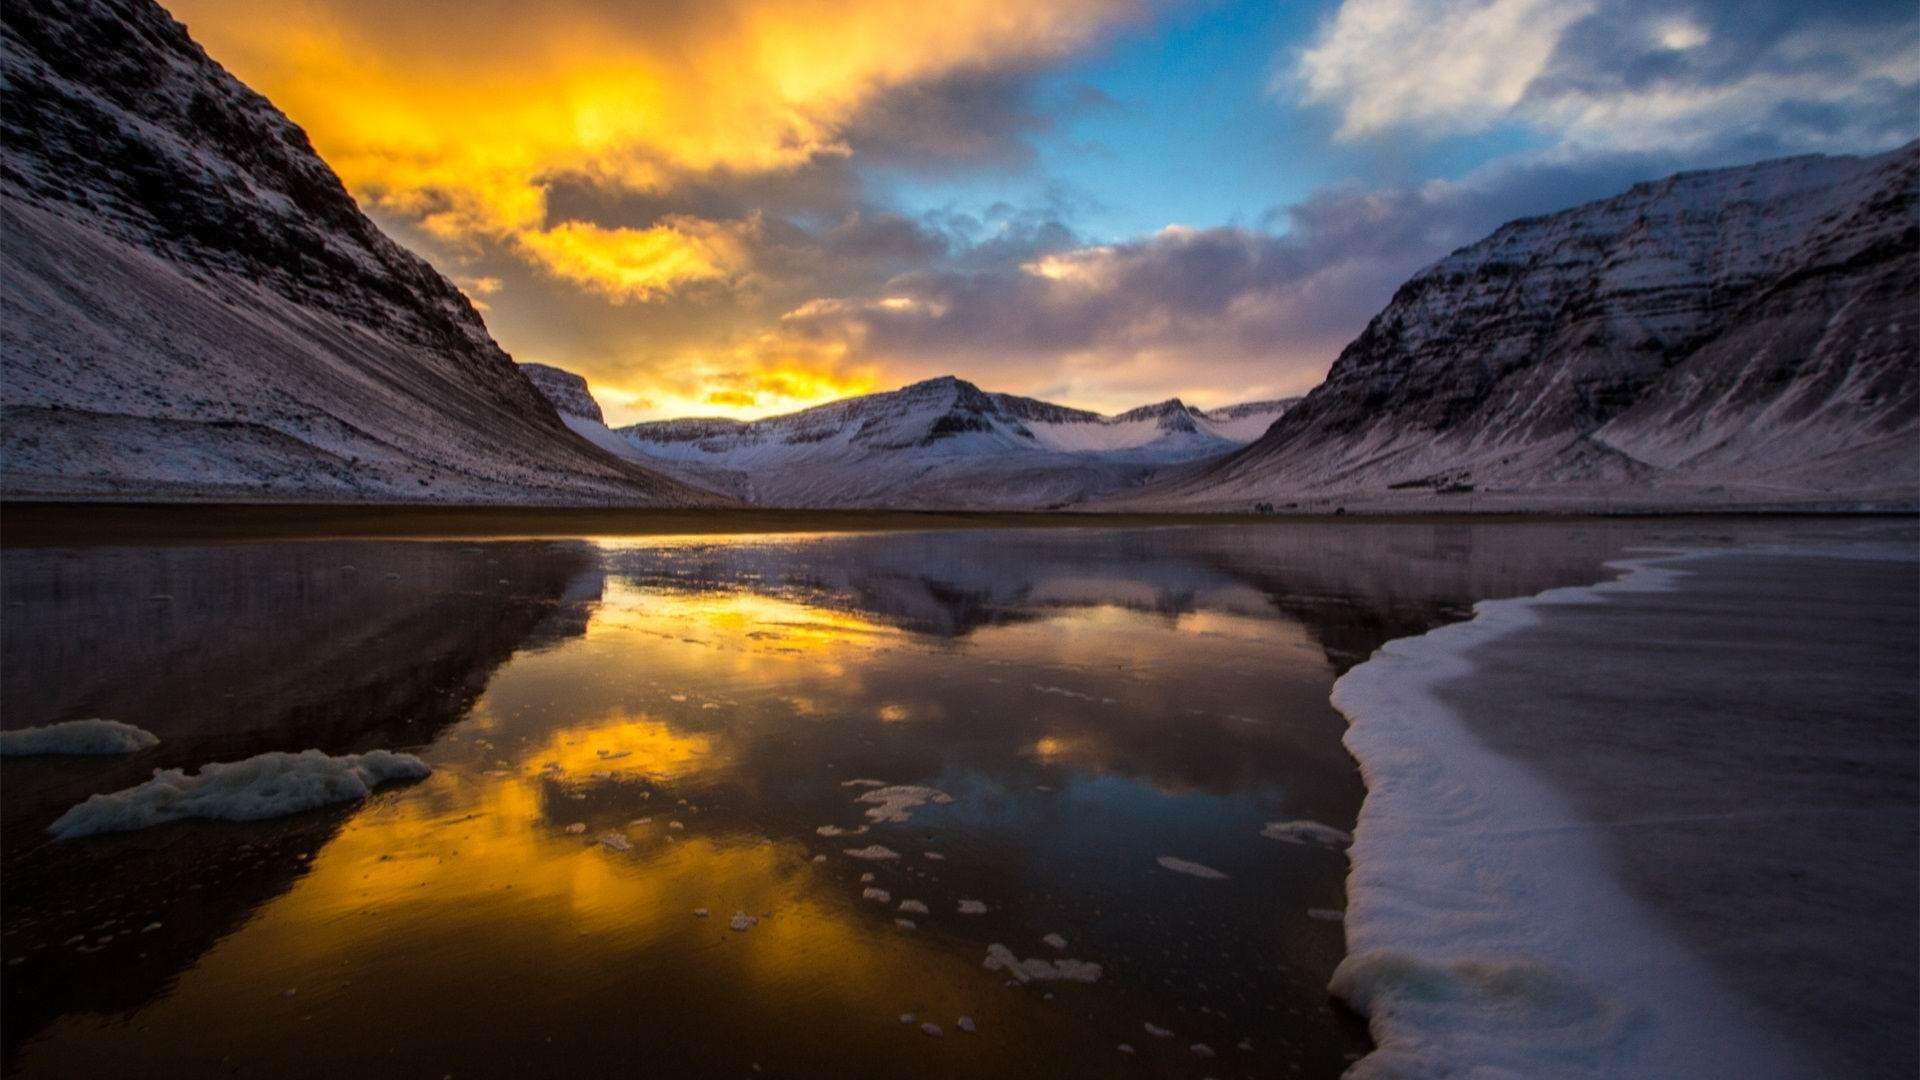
point(939, 443)
point(1718, 337)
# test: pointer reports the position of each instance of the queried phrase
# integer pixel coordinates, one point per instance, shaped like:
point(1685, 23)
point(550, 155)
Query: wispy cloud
point(1618, 75)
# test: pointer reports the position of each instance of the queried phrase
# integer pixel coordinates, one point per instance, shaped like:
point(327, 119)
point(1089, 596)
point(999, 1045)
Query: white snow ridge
point(1485, 933)
point(263, 786)
point(77, 737)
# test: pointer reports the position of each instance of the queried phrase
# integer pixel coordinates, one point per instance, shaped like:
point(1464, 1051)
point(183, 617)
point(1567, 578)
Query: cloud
point(461, 118)
point(1599, 76)
point(1225, 314)
point(637, 264)
point(1444, 66)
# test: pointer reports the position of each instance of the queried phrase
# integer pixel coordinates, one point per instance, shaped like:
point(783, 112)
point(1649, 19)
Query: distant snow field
point(939, 443)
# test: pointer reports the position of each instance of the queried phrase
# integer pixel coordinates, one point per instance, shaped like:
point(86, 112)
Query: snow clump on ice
point(77, 737)
point(264, 786)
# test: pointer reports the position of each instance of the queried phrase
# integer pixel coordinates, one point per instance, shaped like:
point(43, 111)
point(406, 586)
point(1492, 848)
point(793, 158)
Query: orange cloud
point(456, 121)
point(637, 264)
point(458, 116)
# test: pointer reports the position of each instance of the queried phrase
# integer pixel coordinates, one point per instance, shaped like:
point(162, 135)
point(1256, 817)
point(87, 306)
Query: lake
point(1019, 776)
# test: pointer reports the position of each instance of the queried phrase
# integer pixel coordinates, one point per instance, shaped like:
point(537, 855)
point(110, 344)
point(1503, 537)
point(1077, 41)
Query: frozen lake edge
point(1493, 919)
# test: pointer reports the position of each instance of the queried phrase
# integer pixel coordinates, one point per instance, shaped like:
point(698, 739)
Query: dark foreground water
point(625, 730)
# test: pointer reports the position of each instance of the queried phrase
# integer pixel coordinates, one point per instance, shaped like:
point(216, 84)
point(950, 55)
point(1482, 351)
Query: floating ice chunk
point(677, 697)
point(913, 907)
point(1303, 832)
point(264, 786)
point(700, 913)
point(1001, 958)
point(877, 895)
point(866, 879)
point(873, 851)
point(1201, 1050)
point(1061, 691)
point(934, 855)
point(906, 924)
point(615, 841)
point(908, 1018)
point(1056, 941)
point(863, 783)
point(896, 802)
point(819, 858)
point(835, 830)
point(965, 1024)
point(1125, 1048)
point(576, 828)
point(639, 821)
point(1157, 1031)
point(932, 1029)
point(675, 825)
point(77, 737)
point(742, 921)
point(1182, 866)
point(972, 907)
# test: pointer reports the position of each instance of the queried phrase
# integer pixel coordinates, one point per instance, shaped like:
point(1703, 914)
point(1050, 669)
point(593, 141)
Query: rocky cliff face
point(564, 390)
point(1743, 334)
point(195, 307)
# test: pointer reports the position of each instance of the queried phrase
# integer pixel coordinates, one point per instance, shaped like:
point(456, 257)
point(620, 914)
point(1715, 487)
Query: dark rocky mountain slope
point(1740, 336)
point(194, 307)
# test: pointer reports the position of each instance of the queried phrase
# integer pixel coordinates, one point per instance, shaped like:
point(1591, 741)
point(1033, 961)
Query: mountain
point(943, 443)
point(1739, 336)
point(194, 307)
point(565, 391)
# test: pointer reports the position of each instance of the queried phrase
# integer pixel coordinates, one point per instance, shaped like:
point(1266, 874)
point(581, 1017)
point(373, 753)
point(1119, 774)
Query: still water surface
point(626, 730)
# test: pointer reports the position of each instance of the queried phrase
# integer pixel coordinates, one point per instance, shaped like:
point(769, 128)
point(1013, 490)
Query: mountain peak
point(942, 382)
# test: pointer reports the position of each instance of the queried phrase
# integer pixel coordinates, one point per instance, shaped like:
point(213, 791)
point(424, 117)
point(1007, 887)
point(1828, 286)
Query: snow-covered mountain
point(941, 443)
point(1746, 335)
point(193, 306)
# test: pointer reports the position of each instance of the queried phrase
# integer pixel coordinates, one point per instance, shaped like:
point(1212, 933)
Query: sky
point(745, 207)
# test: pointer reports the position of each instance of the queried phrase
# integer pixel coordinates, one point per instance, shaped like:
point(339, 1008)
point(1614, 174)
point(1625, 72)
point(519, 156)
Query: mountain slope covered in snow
point(1738, 336)
point(943, 443)
point(194, 307)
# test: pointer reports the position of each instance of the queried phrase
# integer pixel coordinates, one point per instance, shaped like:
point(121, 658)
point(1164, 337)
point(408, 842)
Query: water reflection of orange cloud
point(738, 619)
point(445, 864)
point(624, 743)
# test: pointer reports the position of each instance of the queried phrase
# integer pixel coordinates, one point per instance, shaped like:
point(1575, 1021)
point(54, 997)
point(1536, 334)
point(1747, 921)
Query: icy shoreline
point(1485, 933)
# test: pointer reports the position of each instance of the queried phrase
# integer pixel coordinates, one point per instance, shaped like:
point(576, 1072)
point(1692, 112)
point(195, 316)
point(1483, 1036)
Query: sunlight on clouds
point(636, 264)
point(459, 117)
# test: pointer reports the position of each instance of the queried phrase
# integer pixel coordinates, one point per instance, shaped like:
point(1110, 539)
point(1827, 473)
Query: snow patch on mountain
point(940, 443)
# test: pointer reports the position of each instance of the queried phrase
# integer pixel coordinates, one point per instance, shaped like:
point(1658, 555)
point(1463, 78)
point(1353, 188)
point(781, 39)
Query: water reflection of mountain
point(230, 650)
point(224, 652)
point(1352, 587)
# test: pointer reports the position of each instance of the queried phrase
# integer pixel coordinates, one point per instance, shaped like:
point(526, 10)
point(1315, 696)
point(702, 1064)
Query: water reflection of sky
point(1090, 700)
